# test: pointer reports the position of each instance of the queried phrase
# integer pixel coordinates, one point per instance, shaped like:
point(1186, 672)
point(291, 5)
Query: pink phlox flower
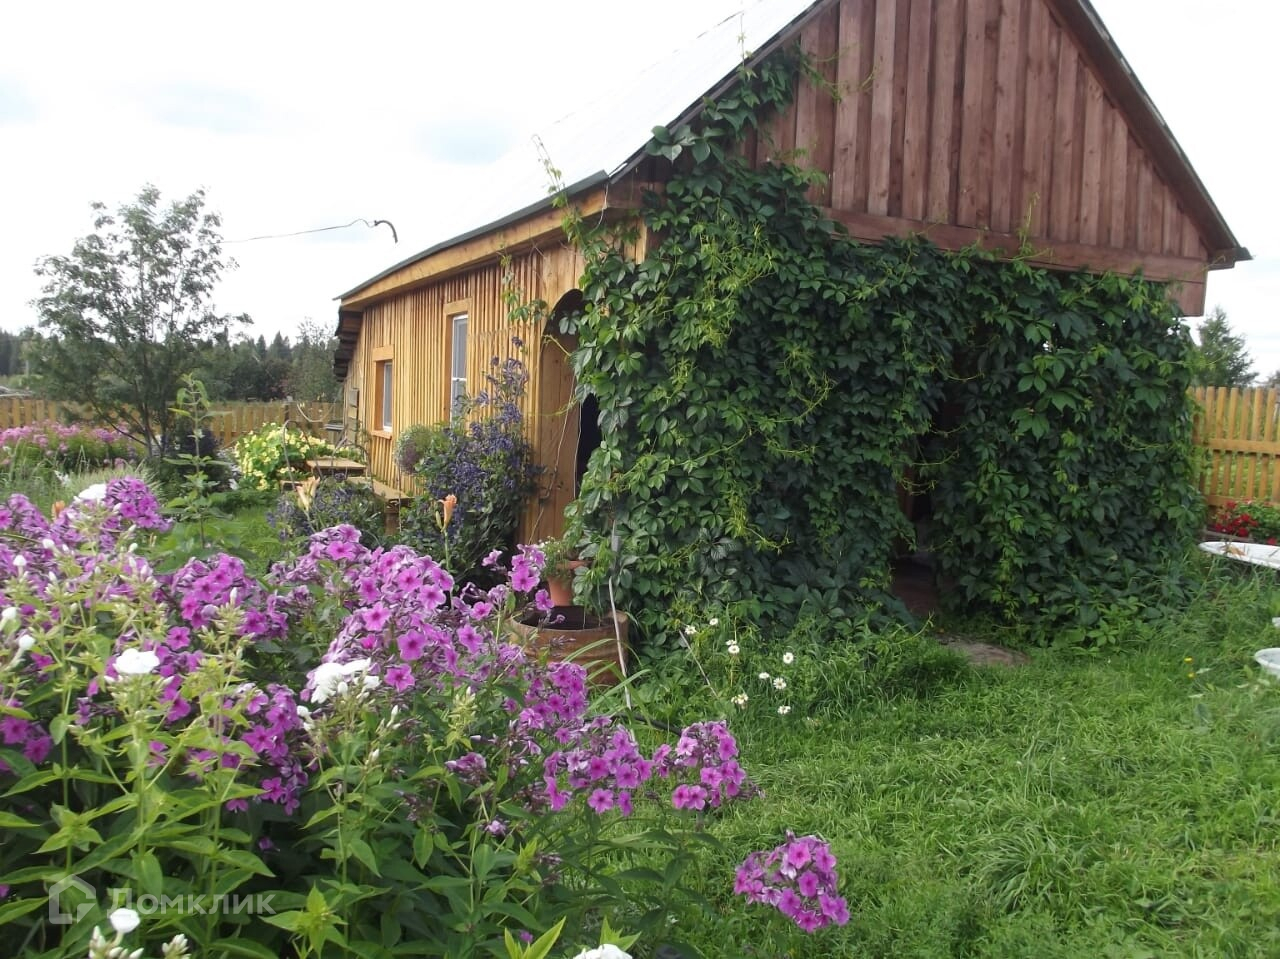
point(368, 590)
point(601, 800)
point(431, 596)
point(375, 617)
point(689, 797)
point(523, 577)
point(399, 677)
point(412, 645)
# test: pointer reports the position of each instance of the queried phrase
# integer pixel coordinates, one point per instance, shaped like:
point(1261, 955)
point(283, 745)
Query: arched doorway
point(567, 431)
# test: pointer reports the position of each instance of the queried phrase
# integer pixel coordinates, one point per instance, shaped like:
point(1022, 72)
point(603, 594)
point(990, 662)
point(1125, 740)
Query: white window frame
point(381, 397)
point(458, 324)
point(387, 387)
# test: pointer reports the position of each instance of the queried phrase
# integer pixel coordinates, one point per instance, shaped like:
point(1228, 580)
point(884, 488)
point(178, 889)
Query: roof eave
point(532, 209)
point(1156, 135)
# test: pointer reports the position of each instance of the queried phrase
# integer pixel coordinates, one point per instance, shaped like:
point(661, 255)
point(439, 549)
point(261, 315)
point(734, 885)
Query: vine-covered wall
point(765, 384)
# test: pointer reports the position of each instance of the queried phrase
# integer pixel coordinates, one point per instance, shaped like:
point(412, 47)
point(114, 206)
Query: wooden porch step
point(336, 466)
point(388, 494)
point(393, 500)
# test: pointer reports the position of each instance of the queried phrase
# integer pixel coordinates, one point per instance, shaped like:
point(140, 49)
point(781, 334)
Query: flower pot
point(561, 587)
point(571, 634)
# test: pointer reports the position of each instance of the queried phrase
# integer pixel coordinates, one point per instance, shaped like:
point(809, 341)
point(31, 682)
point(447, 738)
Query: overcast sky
point(297, 116)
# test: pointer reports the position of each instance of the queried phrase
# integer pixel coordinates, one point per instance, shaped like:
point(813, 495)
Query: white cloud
point(297, 116)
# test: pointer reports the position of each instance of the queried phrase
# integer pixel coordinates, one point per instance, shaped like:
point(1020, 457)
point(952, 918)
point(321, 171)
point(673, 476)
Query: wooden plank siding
point(413, 325)
point(1239, 433)
point(985, 115)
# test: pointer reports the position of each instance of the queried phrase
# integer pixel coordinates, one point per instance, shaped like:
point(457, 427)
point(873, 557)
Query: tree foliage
point(127, 313)
point(311, 373)
point(240, 370)
point(1221, 358)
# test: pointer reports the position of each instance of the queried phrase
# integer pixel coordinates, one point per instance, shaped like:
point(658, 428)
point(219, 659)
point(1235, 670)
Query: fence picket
point(1238, 429)
point(229, 423)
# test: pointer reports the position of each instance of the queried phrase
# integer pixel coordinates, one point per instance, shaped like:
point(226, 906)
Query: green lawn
point(1106, 804)
point(1114, 803)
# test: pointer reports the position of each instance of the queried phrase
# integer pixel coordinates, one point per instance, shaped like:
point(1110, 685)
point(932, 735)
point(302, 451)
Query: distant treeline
point(234, 368)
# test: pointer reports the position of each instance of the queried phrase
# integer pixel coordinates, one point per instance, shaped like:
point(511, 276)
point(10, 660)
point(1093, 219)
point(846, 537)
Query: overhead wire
point(321, 229)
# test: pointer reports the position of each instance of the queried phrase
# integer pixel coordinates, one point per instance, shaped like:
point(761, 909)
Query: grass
point(1119, 803)
point(1122, 804)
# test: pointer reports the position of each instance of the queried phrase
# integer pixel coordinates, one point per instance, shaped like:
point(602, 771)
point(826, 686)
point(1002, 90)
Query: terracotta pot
point(571, 634)
point(561, 590)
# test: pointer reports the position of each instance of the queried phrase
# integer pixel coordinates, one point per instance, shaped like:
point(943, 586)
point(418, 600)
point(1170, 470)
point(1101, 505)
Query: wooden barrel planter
point(572, 634)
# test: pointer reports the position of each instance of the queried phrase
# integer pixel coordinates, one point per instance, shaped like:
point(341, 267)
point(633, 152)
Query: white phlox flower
point(333, 679)
point(137, 662)
point(607, 951)
point(95, 493)
point(124, 921)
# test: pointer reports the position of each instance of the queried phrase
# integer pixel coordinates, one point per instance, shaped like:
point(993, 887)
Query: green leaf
point(17, 908)
point(362, 851)
point(291, 921)
point(541, 947)
point(245, 948)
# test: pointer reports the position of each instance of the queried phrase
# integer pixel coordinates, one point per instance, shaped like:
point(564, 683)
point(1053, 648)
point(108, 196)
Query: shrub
point(66, 447)
point(482, 458)
point(323, 503)
point(426, 789)
point(1249, 520)
point(274, 452)
point(181, 454)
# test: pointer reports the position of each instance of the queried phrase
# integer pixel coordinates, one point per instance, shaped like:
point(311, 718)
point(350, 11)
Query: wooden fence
point(230, 422)
point(1239, 430)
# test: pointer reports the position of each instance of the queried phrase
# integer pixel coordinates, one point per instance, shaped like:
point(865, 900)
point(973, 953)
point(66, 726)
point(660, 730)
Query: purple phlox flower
point(600, 800)
point(471, 768)
point(779, 878)
point(399, 677)
point(523, 576)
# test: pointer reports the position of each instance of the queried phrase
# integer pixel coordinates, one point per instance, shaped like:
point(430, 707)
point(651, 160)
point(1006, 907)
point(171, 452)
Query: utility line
point(320, 229)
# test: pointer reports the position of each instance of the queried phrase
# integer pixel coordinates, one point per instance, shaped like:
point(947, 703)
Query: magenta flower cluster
point(403, 636)
point(799, 879)
point(75, 445)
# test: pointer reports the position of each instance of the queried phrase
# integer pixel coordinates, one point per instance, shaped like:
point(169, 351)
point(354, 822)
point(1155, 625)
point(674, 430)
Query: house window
point(458, 359)
point(383, 392)
point(384, 380)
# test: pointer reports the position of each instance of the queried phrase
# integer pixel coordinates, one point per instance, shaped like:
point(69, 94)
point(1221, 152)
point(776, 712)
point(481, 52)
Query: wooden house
point(969, 121)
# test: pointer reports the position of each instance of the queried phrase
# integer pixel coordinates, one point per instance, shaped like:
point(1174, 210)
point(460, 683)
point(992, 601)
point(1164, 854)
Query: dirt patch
point(984, 654)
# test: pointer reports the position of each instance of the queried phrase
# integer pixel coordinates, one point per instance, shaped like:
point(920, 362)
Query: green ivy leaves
point(766, 384)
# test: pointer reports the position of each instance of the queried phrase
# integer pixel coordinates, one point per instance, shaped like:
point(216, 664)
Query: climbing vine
point(766, 385)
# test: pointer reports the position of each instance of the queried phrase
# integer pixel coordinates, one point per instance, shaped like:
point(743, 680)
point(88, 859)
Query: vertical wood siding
point(983, 114)
point(415, 326)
